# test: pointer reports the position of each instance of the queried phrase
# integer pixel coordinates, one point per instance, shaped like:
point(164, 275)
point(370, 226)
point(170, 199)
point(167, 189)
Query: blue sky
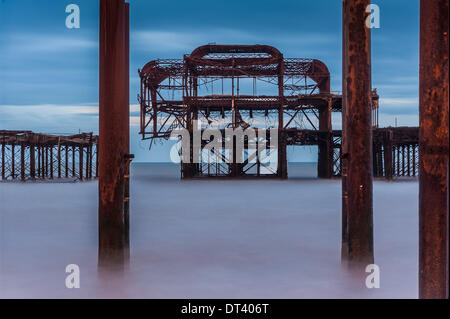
point(49, 74)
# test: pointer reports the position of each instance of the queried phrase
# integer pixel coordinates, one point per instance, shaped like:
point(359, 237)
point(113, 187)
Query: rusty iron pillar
point(113, 129)
point(325, 156)
point(126, 203)
point(433, 145)
point(357, 135)
point(344, 151)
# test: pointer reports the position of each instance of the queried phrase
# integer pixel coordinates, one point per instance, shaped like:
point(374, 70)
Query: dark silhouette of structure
point(29, 156)
point(433, 182)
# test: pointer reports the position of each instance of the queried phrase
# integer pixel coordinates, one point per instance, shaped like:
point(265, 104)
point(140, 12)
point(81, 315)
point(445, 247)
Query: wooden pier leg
point(357, 133)
point(433, 141)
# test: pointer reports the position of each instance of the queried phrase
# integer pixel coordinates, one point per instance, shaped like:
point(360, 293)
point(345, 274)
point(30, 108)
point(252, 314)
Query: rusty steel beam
point(357, 134)
point(433, 148)
point(113, 133)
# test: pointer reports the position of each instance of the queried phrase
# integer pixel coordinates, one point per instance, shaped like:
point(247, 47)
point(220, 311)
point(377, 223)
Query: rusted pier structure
point(434, 150)
point(395, 150)
point(31, 156)
point(241, 86)
point(114, 157)
point(357, 240)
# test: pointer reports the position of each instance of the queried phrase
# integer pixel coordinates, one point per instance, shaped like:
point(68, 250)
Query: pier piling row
point(28, 156)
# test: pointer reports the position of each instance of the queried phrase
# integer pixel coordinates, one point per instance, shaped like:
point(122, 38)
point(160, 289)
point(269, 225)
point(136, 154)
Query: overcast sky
point(49, 74)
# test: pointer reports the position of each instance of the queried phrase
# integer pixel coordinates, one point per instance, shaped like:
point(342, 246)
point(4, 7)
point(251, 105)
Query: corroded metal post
point(127, 138)
point(388, 166)
point(80, 162)
point(357, 133)
point(32, 162)
point(3, 161)
point(113, 133)
point(325, 157)
point(433, 148)
point(344, 149)
point(282, 151)
point(22, 162)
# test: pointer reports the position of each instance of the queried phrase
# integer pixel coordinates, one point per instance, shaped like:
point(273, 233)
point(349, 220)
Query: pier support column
point(325, 152)
point(282, 151)
point(357, 134)
point(344, 149)
point(114, 116)
point(433, 148)
point(22, 162)
point(387, 149)
point(32, 162)
point(3, 160)
point(126, 203)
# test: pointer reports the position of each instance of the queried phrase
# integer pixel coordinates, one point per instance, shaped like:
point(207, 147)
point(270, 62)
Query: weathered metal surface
point(126, 204)
point(344, 148)
point(113, 129)
point(357, 134)
point(433, 181)
point(214, 63)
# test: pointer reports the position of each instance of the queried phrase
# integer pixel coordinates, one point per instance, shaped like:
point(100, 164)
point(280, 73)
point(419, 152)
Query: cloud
point(399, 101)
point(171, 40)
point(36, 43)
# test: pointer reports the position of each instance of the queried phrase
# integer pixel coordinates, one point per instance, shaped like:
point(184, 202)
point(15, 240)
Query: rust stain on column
point(344, 151)
point(433, 147)
point(113, 132)
point(127, 135)
point(357, 133)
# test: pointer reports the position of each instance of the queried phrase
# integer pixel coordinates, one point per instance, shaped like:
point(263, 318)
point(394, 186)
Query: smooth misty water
point(205, 238)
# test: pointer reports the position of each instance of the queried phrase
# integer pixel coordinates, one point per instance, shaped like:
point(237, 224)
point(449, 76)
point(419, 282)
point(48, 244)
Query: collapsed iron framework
point(302, 98)
point(30, 156)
